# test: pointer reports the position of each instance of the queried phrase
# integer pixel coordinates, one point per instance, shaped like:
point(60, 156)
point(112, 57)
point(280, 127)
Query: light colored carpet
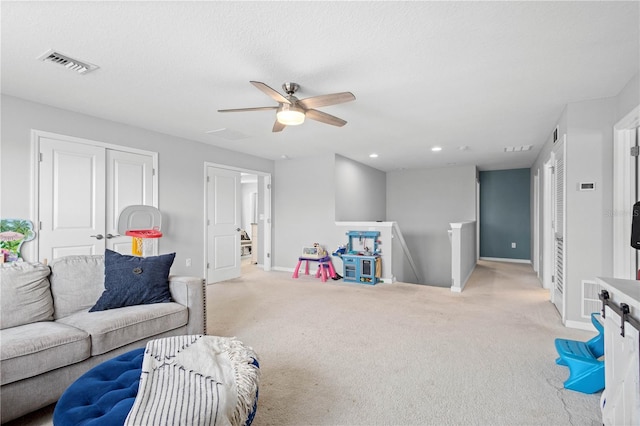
point(401, 354)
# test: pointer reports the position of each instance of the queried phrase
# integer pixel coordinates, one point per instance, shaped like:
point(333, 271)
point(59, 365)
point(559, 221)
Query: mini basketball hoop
point(139, 245)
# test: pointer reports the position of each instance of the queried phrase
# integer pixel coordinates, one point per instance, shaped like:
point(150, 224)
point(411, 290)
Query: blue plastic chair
point(586, 370)
point(595, 345)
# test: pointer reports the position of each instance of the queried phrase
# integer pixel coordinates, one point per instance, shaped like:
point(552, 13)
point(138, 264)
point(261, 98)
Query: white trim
point(505, 259)
point(463, 283)
point(547, 226)
point(579, 325)
point(266, 219)
point(265, 215)
point(536, 223)
point(36, 135)
point(623, 191)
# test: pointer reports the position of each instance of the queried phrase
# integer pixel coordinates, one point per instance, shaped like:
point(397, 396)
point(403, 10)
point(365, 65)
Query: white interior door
point(82, 187)
point(129, 183)
point(223, 220)
point(72, 199)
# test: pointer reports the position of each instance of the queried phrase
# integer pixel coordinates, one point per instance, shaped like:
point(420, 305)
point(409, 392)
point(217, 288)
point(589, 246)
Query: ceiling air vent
point(229, 134)
point(80, 67)
point(518, 148)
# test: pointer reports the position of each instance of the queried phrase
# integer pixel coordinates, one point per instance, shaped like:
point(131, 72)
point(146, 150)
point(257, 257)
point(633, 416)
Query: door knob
point(238, 229)
point(109, 236)
point(97, 237)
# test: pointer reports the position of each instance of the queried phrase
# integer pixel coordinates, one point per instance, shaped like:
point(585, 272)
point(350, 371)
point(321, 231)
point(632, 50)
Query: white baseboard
point(504, 259)
point(579, 325)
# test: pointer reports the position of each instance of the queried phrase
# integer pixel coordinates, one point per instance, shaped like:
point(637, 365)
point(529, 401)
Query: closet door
point(83, 187)
point(129, 183)
point(223, 219)
point(71, 199)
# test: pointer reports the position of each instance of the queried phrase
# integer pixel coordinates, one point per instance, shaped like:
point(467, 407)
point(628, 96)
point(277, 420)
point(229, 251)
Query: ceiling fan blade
point(323, 117)
point(326, 100)
point(271, 92)
point(248, 109)
point(278, 126)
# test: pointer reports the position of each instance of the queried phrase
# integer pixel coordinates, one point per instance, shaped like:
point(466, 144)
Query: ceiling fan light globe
point(290, 115)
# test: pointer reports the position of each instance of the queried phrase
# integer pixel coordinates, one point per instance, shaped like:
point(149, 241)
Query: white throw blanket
point(195, 380)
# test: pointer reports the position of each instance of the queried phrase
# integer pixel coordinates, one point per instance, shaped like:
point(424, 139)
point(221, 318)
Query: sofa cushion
point(114, 328)
point(76, 283)
point(133, 280)
point(25, 294)
point(32, 349)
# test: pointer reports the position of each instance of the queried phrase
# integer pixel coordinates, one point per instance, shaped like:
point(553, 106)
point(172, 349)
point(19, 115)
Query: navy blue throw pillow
point(133, 280)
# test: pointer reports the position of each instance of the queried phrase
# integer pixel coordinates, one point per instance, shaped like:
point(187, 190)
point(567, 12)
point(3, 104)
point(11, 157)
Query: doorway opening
point(625, 187)
point(237, 221)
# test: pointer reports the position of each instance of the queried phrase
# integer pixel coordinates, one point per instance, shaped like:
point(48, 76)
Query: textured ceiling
point(479, 74)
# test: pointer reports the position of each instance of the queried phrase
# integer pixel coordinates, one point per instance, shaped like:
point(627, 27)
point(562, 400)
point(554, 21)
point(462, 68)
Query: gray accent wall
point(424, 202)
point(181, 164)
point(505, 214)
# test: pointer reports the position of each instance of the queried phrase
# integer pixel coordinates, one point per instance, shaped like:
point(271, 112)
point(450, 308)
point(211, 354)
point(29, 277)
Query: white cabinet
point(620, 401)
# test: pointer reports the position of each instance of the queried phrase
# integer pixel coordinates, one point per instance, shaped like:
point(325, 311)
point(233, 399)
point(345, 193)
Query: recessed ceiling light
point(436, 148)
point(463, 148)
point(374, 155)
point(284, 156)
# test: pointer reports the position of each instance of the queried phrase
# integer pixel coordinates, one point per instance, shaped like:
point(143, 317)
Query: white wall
point(589, 158)
point(360, 191)
point(303, 207)
point(424, 202)
point(181, 164)
point(306, 203)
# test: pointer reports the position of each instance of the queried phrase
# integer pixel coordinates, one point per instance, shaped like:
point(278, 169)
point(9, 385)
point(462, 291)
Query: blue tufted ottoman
point(106, 394)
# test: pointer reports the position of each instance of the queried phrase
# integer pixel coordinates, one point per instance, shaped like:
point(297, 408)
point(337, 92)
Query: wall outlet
point(513, 245)
point(188, 262)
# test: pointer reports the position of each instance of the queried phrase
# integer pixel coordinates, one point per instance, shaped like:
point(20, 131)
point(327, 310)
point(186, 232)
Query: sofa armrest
point(190, 292)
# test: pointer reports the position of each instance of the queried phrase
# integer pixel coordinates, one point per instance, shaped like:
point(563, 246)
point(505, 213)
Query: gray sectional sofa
point(48, 337)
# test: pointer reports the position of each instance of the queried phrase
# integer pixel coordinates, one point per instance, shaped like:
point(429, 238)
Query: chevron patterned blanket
point(196, 380)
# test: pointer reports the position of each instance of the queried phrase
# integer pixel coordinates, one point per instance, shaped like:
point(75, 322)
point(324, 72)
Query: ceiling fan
point(292, 111)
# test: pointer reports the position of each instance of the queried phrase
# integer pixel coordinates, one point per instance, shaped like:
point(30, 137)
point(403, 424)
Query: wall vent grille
point(80, 67)
point(590, 300)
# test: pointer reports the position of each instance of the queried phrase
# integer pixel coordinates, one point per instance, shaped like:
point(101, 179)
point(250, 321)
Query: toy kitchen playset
point(361, 260)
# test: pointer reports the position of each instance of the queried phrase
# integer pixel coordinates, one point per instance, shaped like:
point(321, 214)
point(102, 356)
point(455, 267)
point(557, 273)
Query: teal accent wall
point(505, 214)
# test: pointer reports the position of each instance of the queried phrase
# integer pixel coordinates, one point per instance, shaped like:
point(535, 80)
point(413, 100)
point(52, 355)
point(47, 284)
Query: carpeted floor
point(400, 354)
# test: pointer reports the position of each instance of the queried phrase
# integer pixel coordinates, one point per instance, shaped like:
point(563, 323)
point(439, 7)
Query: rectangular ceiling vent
point(58, 58)
point(229, 134)
point(518, 148)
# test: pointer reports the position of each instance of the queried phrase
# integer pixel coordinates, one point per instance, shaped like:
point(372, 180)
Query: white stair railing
point(397, 233)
